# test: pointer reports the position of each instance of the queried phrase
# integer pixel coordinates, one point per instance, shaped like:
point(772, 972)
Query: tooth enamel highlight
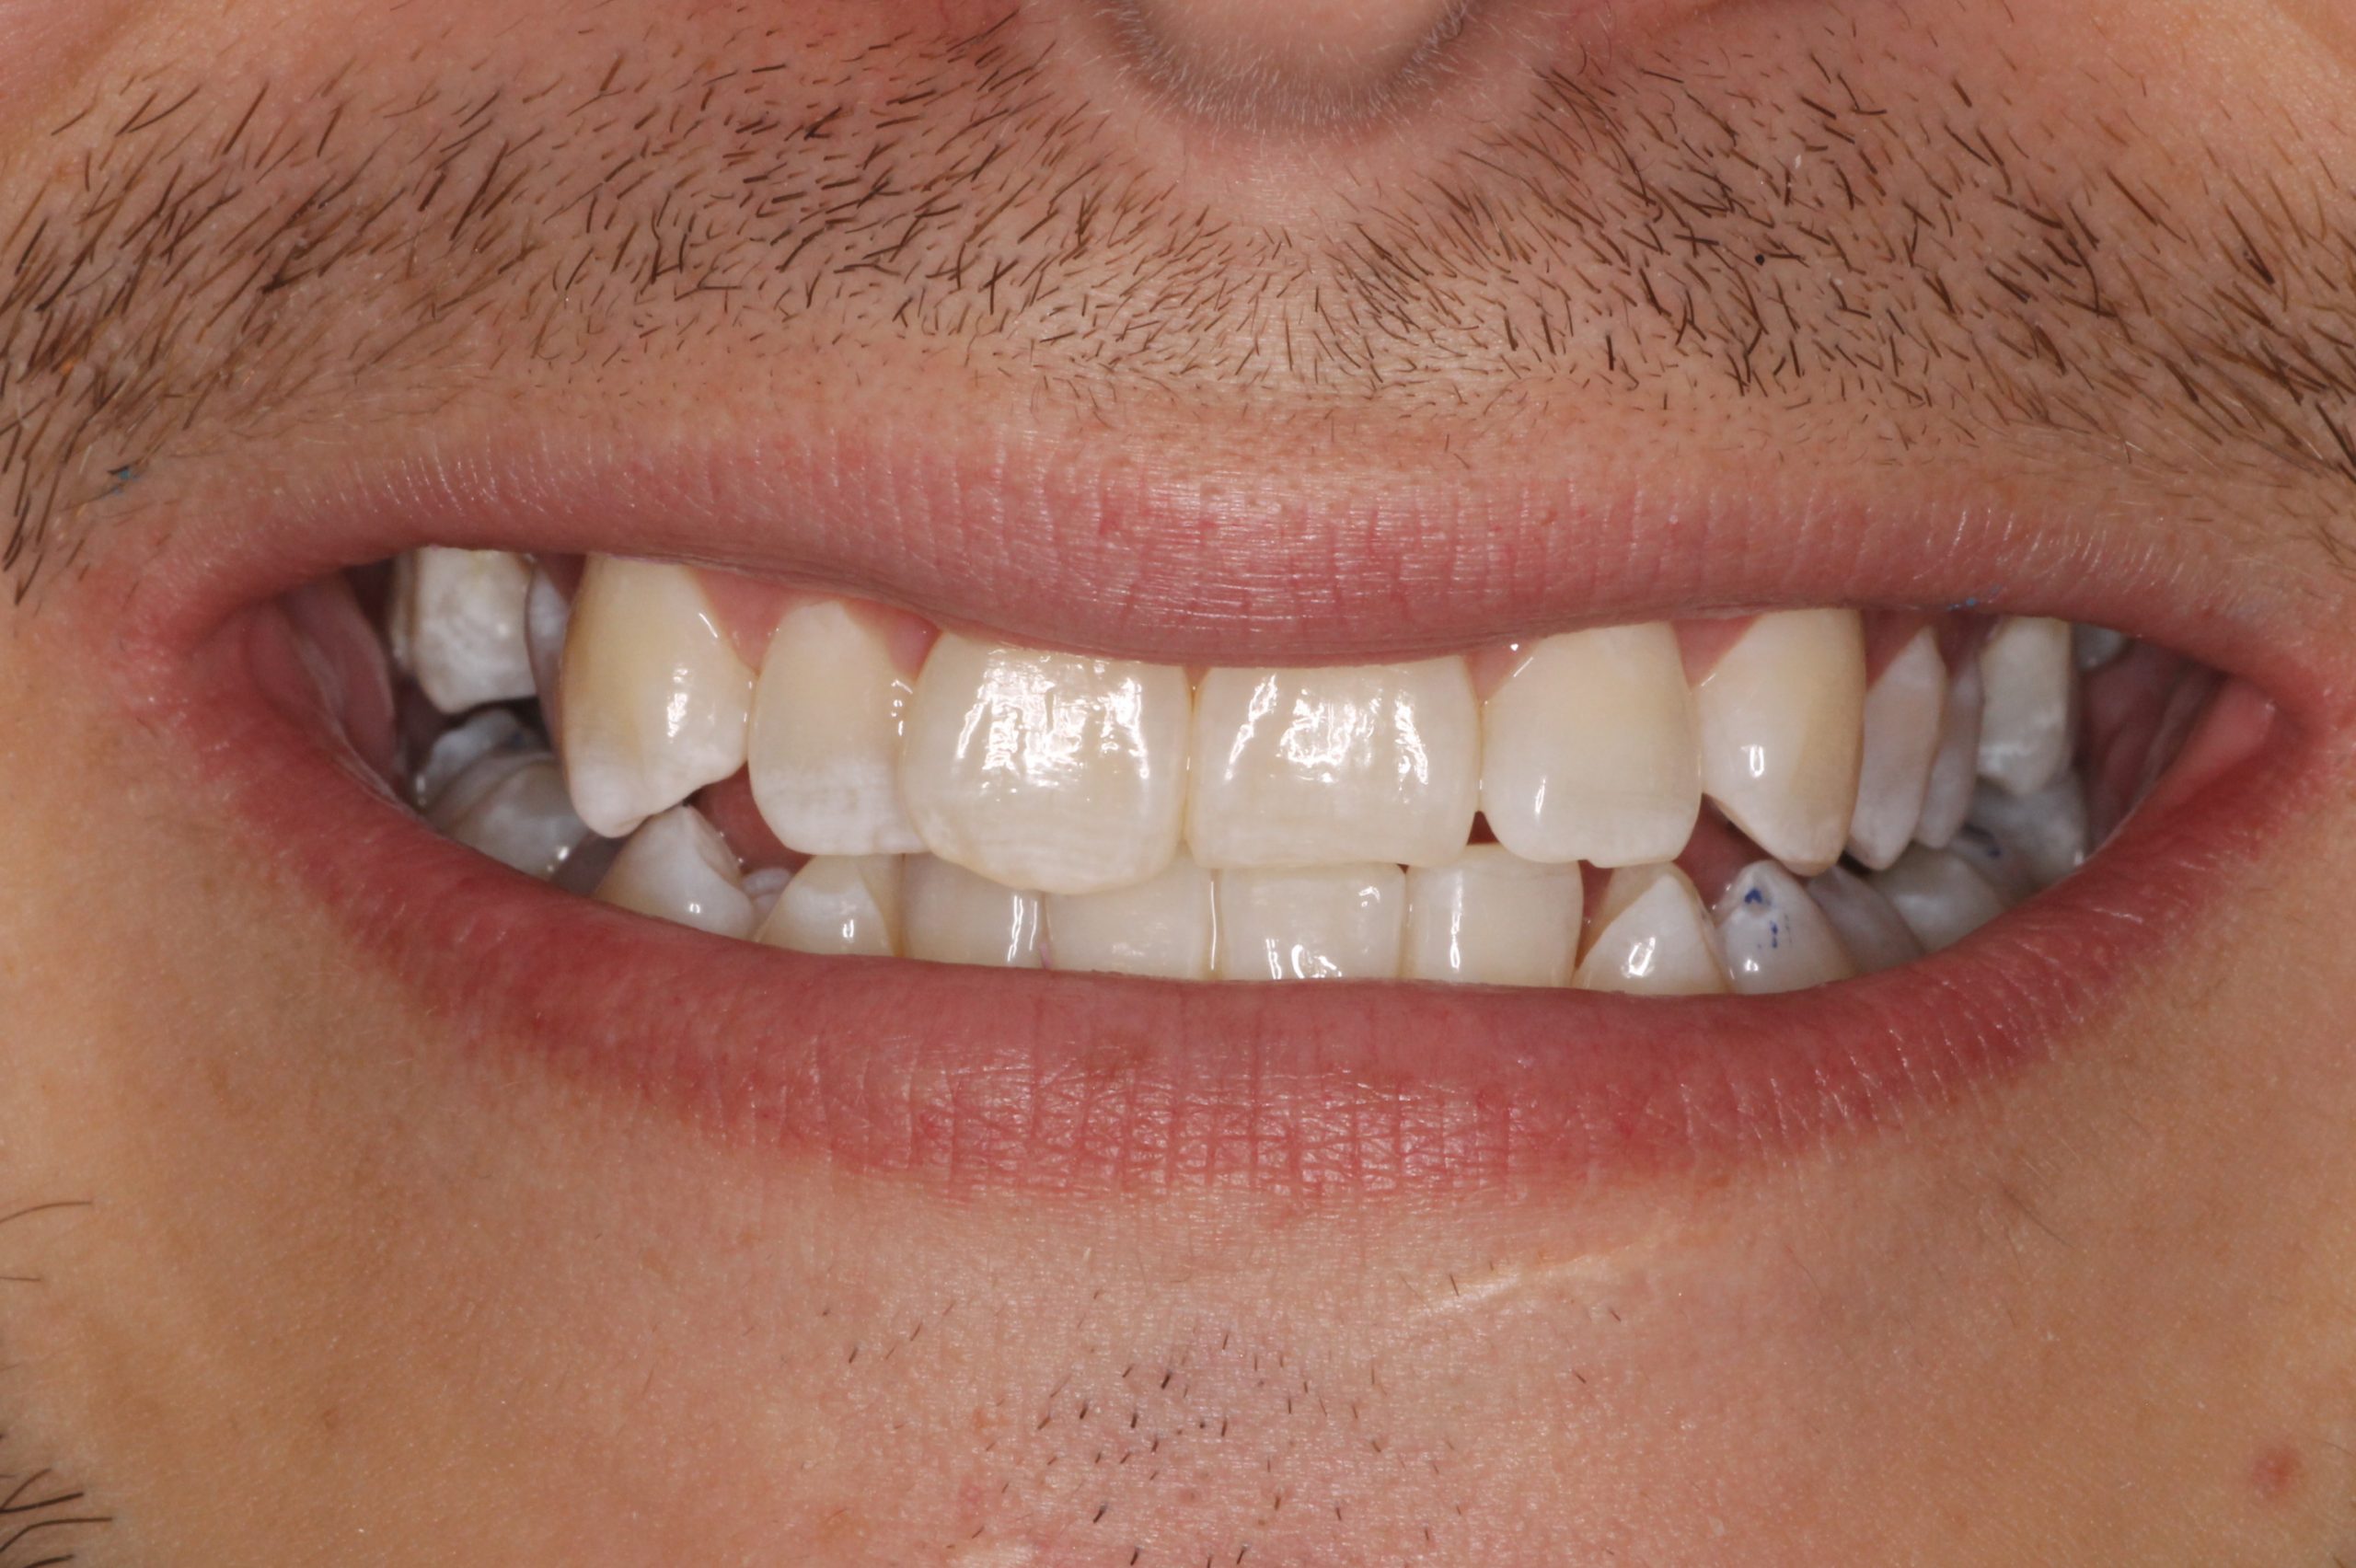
point(678, 868)
point(1905, 711)
point(1321, 766)
point(1939, 895)
point(655, 699)
point(1316, 923)
point(1047, 770)
point(2027, 731)
point(2049, 829)
point(456, 624)
point(825, 743)
point(1773, 935)
point(1780, 721)
point(838, 904)
point(1589, 750)
point(1654, 939)
point(1954, 771)
point(1492, 918)
point(1162, 927)
point(954, 916)
point(524, 820)
point(1872, 933)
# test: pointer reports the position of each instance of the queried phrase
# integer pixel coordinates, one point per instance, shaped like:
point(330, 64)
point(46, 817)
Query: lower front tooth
point(1938, 894)
point(1782, 720)
point(1162, 927)
point(838, 904)
point(2049, 829)
point(954, 917)
point(1656, 939)
point(1317, 923)
point(1774, 937)
point(1492, 918)
point(1872, 932)
point(678, 868)
point(2029, 728)
point(524, 821)
point(457, 625)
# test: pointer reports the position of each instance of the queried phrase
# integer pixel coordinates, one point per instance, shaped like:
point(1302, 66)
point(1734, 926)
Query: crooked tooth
point(523, 819)
point(678, 868)
point(952, 916)
point(1954, 771)
point(825, 742)
point(1321, 766)
point(1905, 709)
point(1774, 935)
point(1492, 918)
point(1939, 895)
point(1311, 923)
point(1162, 928)
point(838, 904)
point(655, 699)
point(1046, 770)
point(1653, 939)
point(1589, 750)
point(1781, 719)
point(455, 623)
point(1872, 932)
point(2049, 829)
point(2026, 731)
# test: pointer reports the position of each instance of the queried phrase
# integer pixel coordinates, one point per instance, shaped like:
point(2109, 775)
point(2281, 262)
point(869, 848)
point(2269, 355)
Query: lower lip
point(981, 1080)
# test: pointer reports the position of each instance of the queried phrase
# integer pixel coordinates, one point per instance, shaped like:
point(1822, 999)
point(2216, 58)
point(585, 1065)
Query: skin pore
point(344, 1285)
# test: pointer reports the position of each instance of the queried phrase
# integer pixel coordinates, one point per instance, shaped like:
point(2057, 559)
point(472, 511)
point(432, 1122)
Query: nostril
point(1302, 62)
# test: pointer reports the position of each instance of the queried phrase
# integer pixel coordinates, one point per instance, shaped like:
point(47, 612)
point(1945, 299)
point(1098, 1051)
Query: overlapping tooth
point(1654, 938)
point(2027, 732)
point(1047, 770)
point(1872, 933)
point(838, 904)
point(2049, 829)
point(1781, 722)
point(1939, 895)
point(1342, 922)
point(456, 624)
point(1492, 918)
point(678, 868)
point(655, 699)
point(1162, 927)
point(1589, 750)
point(548, 617)
point(1319, 766)
point(825, 741)
point(952, 916)
point(1955, 770)
point(1773, 935)
point(1905, 715)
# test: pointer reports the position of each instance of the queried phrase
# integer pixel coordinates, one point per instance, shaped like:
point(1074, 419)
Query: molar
point(825, 742)
point(513, 807)
point(2027, 733)
point(952, 916)
point(1938, 894)
point(1342, 922)
point(456, 624)
point(1492, 918)
point(1905, 714)
point(1653, 937)
point(838, 904)
point(678, 868)
point(1774, 936)
point(1163, 927)
point(1782, 719)
point(2047, 829)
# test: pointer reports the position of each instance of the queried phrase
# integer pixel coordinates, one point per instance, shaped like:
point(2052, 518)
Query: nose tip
point(1289, 60)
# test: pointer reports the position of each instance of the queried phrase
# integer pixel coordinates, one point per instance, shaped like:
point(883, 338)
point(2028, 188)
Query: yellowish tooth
point(1781, 726)
point(954, 917)
point(838, 904)
point(655, 699)
point(2028, 730)
point(1774, 937)
point(1047, 770)
point(1654, 939)
point(1162, 928)
point(1492, 918)
point(678, 868)
point(1311, 923)
point(1905, 711)
point(455, 623)
point(825, 744)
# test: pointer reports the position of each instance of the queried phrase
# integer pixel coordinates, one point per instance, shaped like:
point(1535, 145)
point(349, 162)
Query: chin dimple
point(1662, 809)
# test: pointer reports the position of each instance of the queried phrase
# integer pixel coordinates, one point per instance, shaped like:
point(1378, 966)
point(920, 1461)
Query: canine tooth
point(2049, 828)
point(1046, 770)
point(952, 916)
point(1872, 932)
point(678, 868)
point(1999, 864)
point(1781, 721)
point(457, 625)
point(2026, 731)
point(655, 699)
point(1939, 895)
point(1589, 750)
point(1654, 939)
point(1774, 935)
point(1954, 771)
point(1311, 923)
point(1904, 708)
point(825, 743)
point(1160, 928)
point(838, 904)
point(457, 750)
point(1492, 918)
point(1319, 766)
point(525, 820)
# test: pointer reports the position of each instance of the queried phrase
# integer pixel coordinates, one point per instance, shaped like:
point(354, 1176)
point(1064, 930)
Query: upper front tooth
point(1905, 708)
point(1160, 928)
point(1316, 923)
point(1047, 770)
point(825, 745)
point(1654, 938)
point(1941, 898)
point(678, 868)
point(2026, 732)
point(1589, 750)
point(457, 624)
point(1782, 717)
point(1872, 933)
point(1955, 770)
point(655, 699)
point(838, 904)
point(1492, 919)
point(1774, 936)
point(1315, 766)
point(952, 916)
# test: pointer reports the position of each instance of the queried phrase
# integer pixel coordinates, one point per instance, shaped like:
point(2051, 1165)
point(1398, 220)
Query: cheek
point(50, 41)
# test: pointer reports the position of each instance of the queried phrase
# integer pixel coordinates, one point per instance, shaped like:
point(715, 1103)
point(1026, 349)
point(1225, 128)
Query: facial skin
point(311, 1268)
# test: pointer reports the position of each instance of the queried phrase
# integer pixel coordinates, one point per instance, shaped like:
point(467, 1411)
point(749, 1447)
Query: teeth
point(1654, 938)
point(1773, 935)
point(825, 744)
point(1315, 766)
point(655, 699)
point(455, 752)
point(524, 820)
point(457, 625)
point(838, 904)
point(678, 868)
point(2047, 829)
point(1999, 864)
point(765, 887)
point(2026, 734)
point(1317, 923)
point(2092, 647)
point(1780, 721)
point(1939, 895)
point(1492, 918)
point(1955, 772)
point(1904, 710)
point(1872, 932)
point(1162, 928)
point(1047, 770)
point(547, 614)
point(954, 917)
point(1589, 751)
